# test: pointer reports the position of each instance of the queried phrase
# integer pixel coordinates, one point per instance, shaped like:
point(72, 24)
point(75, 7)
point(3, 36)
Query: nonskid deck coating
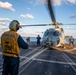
point(43, 61)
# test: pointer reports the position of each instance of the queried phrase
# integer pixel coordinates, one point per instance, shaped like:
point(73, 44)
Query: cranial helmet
point(14, 25)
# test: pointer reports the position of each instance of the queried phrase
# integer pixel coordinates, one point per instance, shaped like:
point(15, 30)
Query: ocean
point(33, 39)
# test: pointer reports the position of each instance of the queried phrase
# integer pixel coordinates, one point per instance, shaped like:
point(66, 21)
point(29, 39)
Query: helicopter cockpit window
point(56, 33)
point(46, 33)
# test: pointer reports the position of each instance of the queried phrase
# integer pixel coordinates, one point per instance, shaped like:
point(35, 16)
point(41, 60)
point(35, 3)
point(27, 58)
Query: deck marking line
point(51, 61)
point(72, 56)
point(25, 67)
point(1, 68)
point(67, 59)
point(25, 60)
point(30, 52)
point(35, 55)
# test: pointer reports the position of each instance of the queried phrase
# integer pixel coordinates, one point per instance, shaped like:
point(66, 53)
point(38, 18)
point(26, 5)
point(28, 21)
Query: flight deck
point(38, 60)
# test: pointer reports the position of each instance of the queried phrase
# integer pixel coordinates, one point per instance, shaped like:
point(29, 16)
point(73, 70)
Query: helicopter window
point(46, 33)
point(56, 33)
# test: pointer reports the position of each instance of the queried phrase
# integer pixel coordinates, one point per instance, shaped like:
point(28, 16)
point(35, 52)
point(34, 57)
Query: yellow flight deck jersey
point(9, 43)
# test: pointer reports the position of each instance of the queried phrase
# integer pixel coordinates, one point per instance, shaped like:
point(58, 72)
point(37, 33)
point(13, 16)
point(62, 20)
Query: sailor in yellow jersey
point(11, 42)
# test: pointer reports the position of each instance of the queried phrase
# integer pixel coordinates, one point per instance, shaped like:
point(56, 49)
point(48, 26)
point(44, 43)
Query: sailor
point(11, 42)
point(47, 42)
point(28, 40)
point(71, 41)
point(38, 40)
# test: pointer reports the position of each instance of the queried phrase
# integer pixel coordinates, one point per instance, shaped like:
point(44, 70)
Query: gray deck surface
point(43, 61)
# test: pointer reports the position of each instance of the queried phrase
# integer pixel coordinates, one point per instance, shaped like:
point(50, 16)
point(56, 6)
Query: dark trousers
point(10, 65)
point(38, 42)
point(71, 43)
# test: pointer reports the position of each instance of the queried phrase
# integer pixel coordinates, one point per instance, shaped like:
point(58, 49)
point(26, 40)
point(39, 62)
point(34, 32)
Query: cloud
point(37, 2)
point(28, 8)
point(29, 33)
point(54, 2)
point(6, 5)
point(2, 23)
point(22, 23)
point(67, 27)
point(73, 16)
point(5, 19)
point(71, 1)
point(29, 16)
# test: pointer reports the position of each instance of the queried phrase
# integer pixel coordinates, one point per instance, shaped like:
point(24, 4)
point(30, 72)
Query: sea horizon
point(33, 39)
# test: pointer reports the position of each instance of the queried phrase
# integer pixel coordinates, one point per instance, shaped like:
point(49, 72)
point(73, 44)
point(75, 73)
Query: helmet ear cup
point(17, 27)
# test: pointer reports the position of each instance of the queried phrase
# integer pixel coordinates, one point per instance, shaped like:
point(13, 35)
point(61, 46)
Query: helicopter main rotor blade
point(36, 25)
point(49, 4)
point(70, 24)
point(50, 24)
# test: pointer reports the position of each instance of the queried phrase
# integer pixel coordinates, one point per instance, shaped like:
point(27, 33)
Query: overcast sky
point(29, 12)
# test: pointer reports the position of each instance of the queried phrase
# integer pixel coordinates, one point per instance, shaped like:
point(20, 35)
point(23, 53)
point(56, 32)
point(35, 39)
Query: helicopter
point(55, 35)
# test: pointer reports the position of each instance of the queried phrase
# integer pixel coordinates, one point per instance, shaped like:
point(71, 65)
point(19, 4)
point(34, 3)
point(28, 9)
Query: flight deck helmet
point(14, 25)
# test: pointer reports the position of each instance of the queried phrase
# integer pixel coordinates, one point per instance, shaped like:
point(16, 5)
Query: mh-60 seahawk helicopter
point(55, 35)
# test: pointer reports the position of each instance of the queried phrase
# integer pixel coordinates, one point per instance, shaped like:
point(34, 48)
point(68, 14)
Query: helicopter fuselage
point(54, 37)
